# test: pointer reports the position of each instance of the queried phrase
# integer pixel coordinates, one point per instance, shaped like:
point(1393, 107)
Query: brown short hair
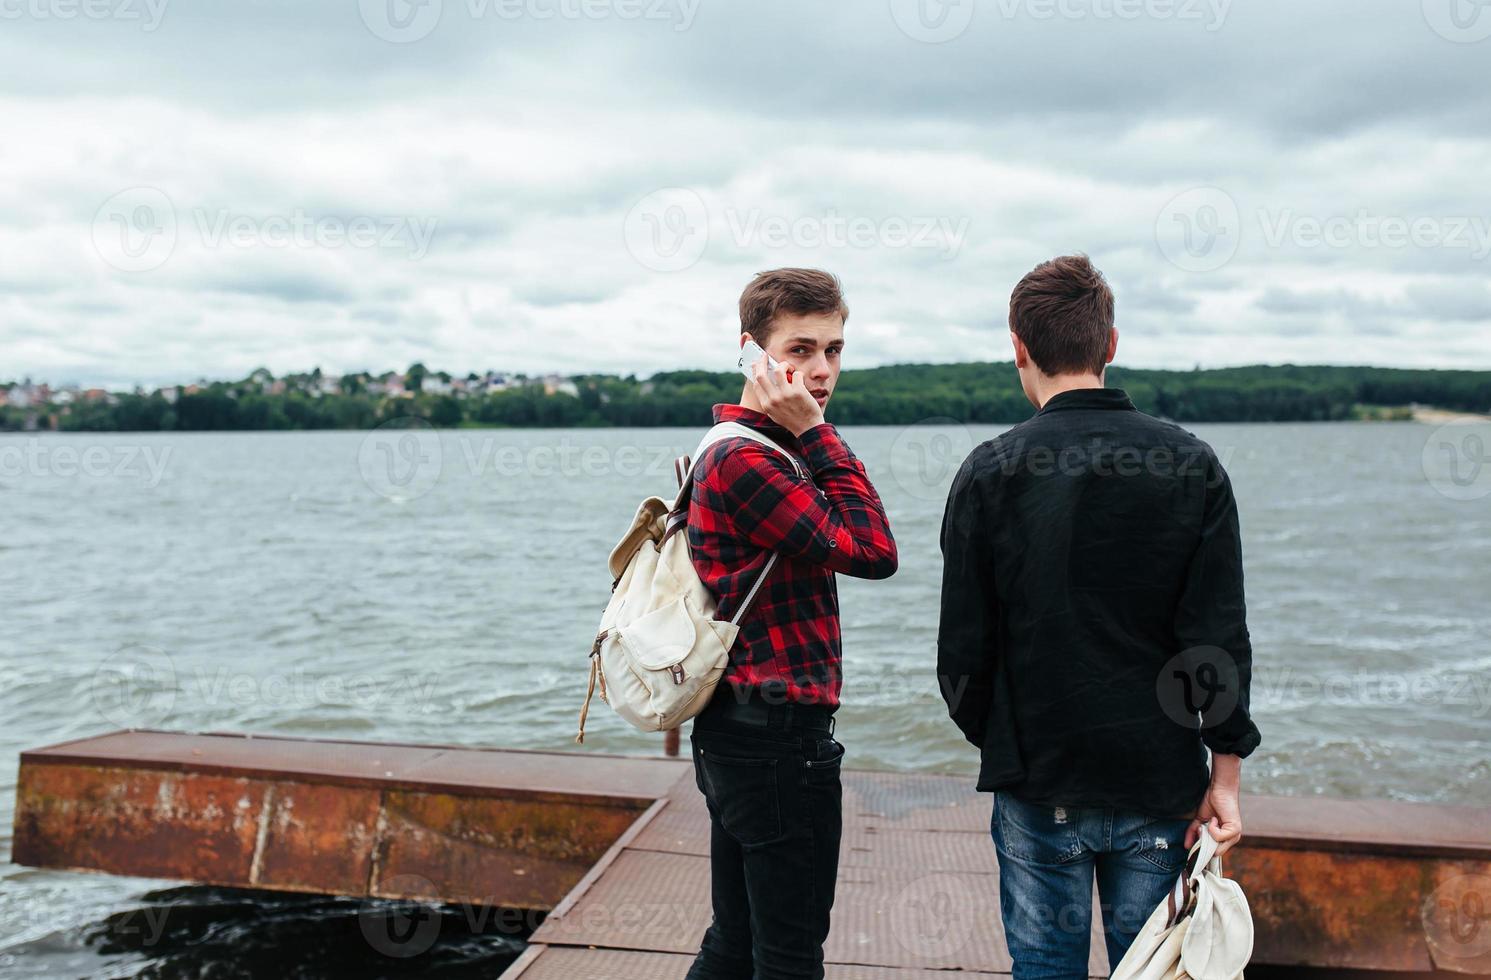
point(795, 291)
point(1063, 312)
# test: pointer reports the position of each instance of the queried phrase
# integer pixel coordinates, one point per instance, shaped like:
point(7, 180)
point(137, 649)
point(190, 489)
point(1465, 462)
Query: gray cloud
point(530, 149)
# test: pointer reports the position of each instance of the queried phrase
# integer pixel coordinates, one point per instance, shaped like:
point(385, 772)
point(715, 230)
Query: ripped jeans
point(1048, 857)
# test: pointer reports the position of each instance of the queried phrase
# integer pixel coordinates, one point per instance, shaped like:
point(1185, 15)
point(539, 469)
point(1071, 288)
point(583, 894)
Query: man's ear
point(744, 337)
point(1112, 345)
point(1022, 356)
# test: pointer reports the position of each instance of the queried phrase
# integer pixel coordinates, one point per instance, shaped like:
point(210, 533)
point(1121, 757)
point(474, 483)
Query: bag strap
point(683, 469)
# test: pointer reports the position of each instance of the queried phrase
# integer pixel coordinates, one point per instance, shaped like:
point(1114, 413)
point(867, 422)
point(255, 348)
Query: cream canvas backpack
point(660, 650)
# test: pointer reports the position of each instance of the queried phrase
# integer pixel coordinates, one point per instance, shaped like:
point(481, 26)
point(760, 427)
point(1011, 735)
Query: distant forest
point(901, 394)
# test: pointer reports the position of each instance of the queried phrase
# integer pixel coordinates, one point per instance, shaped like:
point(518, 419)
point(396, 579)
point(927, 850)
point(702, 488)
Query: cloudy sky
point(194, 190)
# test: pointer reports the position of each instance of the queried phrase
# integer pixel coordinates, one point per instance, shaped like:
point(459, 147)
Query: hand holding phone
point(784, 400)
point(750, 353)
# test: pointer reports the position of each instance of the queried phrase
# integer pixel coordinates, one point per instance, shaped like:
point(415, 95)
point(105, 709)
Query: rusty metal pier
point(614, 849)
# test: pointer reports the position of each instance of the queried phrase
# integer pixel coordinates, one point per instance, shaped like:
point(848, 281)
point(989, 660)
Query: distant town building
point(557, 385)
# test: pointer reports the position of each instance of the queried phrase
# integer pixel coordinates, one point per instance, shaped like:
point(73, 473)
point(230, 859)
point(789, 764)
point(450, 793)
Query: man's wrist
point(809, 427)
point(1226, 771)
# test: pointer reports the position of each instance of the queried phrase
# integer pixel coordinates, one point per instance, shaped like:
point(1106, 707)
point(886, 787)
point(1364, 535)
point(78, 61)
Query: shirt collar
point(751, 417)
point(1099, 398)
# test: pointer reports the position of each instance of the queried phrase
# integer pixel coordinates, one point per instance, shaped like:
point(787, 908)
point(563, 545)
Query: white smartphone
point(750, 353)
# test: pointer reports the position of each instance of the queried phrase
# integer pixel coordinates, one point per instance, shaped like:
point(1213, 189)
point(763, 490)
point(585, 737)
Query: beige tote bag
point(1203, 929)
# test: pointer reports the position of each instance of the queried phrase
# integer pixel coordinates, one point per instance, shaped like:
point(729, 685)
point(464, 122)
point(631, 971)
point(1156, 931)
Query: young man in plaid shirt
point(764, 753)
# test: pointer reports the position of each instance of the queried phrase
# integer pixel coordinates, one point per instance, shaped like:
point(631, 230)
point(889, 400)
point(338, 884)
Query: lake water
point(414, 586)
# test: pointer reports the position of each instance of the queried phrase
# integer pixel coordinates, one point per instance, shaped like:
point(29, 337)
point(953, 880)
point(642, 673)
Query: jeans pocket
point(1162, 844)
point(746, 795)
point(827, 756)
point(1035, 832)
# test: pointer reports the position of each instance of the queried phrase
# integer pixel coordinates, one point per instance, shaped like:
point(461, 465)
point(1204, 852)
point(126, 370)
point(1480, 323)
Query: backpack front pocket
point(661, 639)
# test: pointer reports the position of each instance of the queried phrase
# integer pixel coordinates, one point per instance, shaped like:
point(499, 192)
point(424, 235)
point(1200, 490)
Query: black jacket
point(1093, 634)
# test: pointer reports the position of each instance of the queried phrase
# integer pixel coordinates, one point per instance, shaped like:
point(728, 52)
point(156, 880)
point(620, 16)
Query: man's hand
point(1221, 808)
point(787, 403)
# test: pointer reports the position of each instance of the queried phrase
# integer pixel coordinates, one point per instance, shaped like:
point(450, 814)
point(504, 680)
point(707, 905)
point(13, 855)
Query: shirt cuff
point(1239, 744)
point(823, 448)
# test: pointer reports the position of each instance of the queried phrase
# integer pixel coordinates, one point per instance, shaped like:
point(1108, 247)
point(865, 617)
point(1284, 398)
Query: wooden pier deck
point(615, 850)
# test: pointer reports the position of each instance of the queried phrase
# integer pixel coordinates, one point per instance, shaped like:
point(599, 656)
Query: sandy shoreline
point(1439, 416)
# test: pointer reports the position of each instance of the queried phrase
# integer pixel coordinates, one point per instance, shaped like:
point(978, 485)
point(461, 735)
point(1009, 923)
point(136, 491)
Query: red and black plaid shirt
point(747, 503)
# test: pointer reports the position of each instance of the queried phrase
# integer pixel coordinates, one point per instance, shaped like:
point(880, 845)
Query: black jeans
point(776, 818)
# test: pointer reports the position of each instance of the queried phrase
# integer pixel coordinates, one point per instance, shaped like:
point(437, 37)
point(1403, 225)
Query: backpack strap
point(683, 466)
point(683, 469)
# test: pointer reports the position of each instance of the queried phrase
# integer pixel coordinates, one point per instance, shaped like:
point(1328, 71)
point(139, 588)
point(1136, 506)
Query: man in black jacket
point(1093, 641)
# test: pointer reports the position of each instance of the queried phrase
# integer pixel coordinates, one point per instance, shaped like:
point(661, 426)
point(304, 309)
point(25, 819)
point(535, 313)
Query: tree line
point(900, 394)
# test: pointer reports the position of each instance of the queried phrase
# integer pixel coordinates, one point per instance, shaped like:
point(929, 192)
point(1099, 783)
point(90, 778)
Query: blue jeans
point(1047, 858)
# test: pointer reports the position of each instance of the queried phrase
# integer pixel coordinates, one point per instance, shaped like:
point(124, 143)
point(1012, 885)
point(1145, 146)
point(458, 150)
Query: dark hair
point(1063, 312)
point(796, 291)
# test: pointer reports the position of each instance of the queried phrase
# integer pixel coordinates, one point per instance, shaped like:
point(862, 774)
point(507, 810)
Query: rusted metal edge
point(607, 859)
point(1377, 827)
point(1380, 828)
point(600, 799)
point(1257, 841)
point(290, 771)
point(522, 963)
point(51, 752)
